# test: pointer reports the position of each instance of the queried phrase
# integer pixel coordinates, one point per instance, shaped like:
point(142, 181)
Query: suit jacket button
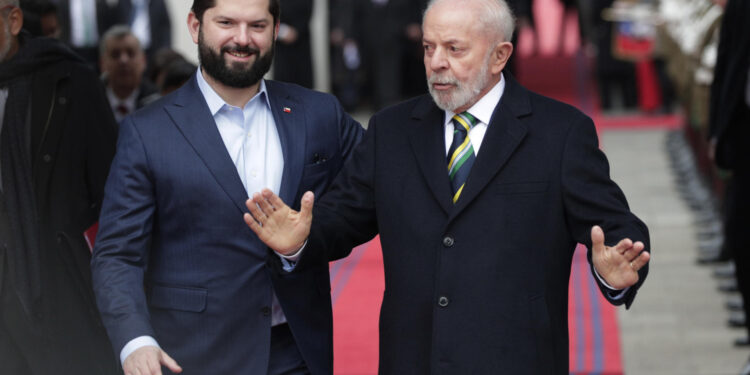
point(47, 158)
point(448, 241)
point(443, 301)
point(266, 311)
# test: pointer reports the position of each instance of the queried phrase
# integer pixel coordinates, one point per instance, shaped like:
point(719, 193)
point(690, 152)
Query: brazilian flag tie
point(461, 153)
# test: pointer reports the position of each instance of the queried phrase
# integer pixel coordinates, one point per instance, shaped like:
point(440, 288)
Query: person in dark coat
point(478, 230)
point(57, 138)
point(82, 22)
point(123, 63)
point(293, 61)
point(149, 20)
point(381, 28)
point(729, 133)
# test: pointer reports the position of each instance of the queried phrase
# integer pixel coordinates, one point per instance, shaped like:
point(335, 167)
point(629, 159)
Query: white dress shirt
point(253, 143)
point(482, 110)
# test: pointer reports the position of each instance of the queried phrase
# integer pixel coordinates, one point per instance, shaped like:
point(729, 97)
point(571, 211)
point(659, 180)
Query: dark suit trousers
point(285, 356)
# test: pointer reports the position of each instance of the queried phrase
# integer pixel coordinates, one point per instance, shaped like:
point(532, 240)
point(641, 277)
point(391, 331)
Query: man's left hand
point(617, 265)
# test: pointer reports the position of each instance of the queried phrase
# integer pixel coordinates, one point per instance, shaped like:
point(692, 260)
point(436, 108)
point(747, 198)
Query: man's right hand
point(281, 228)
point(148, 361)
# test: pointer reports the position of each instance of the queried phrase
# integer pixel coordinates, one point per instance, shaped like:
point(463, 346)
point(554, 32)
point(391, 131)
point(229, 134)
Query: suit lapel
point(504, 134)
point(191, 115)
point(291, 126)
point(427, 139)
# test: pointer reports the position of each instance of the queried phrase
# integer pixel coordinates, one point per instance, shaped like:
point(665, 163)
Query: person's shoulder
point(547, 107)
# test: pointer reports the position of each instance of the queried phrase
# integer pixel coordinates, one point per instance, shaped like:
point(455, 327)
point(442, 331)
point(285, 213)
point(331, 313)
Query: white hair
point(495, 16)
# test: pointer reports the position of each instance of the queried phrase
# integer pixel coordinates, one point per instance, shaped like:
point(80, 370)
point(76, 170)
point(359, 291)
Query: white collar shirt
point(482, 110)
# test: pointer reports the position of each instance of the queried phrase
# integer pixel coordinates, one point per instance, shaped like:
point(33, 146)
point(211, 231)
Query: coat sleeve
point(121, 252)
point(345, 216)
point(592, 198)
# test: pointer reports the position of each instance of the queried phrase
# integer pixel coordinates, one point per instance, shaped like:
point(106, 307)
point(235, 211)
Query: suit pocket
point(522, 187)
point(178, 298)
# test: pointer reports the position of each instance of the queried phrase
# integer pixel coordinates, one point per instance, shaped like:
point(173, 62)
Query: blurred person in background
point(729, 137)
point(57, 138)
point(82, 22)
point(40, 18)
point(176, 74)
point(149, 20)
point(293, 62)
point(615, 78)
point(123, 63)
point(382, 28)
point(346, 73)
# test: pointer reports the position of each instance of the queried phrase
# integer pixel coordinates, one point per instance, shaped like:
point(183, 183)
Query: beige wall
point(181, 41)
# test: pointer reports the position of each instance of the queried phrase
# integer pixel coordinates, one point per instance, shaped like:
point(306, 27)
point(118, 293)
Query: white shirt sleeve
point(136, 344)
point(290, 261)
point(615, 294)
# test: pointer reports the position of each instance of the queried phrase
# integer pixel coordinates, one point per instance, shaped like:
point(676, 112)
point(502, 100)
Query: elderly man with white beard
point(480, 192)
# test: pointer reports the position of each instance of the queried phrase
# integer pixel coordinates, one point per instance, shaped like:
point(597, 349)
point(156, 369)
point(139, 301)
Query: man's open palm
point(281, 228)
point(617, 265)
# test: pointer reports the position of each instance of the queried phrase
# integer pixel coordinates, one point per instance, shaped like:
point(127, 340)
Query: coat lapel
point(290, 123)
point(191, 115)
point(504, 134)
point(427, 139)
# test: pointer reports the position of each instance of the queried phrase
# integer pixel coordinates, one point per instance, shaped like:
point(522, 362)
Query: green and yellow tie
point(461, 153)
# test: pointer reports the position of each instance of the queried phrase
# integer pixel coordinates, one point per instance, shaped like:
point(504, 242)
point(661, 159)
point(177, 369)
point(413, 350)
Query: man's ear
point(500, 55)
point(194, 26)
point(15, 21)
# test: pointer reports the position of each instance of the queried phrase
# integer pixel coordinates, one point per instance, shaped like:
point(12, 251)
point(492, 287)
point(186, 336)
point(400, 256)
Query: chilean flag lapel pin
point(287, 110)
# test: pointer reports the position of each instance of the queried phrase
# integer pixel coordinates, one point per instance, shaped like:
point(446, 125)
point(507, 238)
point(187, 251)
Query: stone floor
point(677, 324)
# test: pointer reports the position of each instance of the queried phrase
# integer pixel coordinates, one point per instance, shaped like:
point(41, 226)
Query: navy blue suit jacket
point(479, 287)
point(173, 257)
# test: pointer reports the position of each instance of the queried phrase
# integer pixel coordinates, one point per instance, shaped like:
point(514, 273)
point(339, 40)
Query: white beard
point(462, 93)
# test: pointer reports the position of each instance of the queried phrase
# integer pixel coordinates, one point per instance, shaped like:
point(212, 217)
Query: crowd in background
point(375, 47)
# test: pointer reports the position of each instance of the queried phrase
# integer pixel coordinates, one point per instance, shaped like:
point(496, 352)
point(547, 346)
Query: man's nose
point(242, 36)
point(438, 61)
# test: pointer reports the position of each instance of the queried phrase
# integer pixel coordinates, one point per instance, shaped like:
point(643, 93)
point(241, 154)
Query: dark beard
point(235, 76)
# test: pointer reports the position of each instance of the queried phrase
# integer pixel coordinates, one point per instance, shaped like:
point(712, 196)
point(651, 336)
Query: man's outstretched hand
point(617, 265)
point(148, 360)
point(281, 228)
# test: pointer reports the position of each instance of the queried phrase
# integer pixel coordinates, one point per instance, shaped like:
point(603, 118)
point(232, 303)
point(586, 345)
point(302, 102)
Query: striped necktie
point(461, 153)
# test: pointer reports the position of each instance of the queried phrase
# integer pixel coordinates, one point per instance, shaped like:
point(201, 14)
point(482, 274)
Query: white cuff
point(615, 294)
point(290, 261)
point(136, 344)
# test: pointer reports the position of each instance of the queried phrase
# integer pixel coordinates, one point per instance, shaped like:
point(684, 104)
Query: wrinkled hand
point(148, 361)
point(617, 265)
point(281, 228)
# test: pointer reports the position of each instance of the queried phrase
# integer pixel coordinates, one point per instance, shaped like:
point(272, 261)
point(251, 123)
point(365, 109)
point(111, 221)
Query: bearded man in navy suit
point(477, 260)
point(178, 282)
